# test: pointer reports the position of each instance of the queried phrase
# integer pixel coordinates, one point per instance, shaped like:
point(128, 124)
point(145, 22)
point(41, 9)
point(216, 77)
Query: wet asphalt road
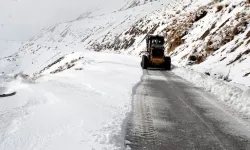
point(169, 113)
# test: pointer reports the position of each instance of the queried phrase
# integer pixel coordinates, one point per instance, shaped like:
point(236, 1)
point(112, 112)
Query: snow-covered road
point(171, 113)
point(80, 108)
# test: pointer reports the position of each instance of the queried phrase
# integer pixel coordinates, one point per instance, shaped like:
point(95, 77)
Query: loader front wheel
point(167, 63)
point(144, 62)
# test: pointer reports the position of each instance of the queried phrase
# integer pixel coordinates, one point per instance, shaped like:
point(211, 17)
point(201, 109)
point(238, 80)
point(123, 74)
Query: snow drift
point(82, 107)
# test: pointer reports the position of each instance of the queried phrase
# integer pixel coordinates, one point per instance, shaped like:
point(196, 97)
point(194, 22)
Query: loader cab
point(155, 46)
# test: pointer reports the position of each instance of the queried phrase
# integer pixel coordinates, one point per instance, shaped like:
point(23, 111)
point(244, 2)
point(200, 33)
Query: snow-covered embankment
point(234, 95)
point(79, 108)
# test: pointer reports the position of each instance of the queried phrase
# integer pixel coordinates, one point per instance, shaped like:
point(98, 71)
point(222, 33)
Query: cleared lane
point(170, 113)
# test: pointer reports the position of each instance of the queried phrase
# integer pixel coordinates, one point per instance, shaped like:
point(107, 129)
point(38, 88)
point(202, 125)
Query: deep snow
point(74, 109)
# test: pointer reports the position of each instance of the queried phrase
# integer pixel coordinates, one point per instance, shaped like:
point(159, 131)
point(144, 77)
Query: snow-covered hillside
point(8, 47)
point(214, 35)
point(88, 32)
point(21, 19)
point(217, 40)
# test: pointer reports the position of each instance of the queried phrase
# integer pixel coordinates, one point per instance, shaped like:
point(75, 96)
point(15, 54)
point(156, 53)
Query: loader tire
point(144, 62)
point(167, 63)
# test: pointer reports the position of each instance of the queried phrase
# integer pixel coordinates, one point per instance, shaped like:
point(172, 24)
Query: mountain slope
point(88, 32)
point(22, 19)
point(217, 40)
point(212, 35)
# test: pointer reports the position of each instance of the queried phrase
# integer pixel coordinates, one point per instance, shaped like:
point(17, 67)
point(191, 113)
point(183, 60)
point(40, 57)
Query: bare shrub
point(200, 59)
point(247, 42)
point(238, 15)
point(200, 14)
point(219, 8)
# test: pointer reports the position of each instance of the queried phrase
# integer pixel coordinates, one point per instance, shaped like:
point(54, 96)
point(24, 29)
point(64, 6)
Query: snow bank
point(72, 109)
point(234, 96)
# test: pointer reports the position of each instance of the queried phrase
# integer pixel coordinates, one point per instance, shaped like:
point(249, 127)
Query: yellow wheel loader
point(155, 54)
